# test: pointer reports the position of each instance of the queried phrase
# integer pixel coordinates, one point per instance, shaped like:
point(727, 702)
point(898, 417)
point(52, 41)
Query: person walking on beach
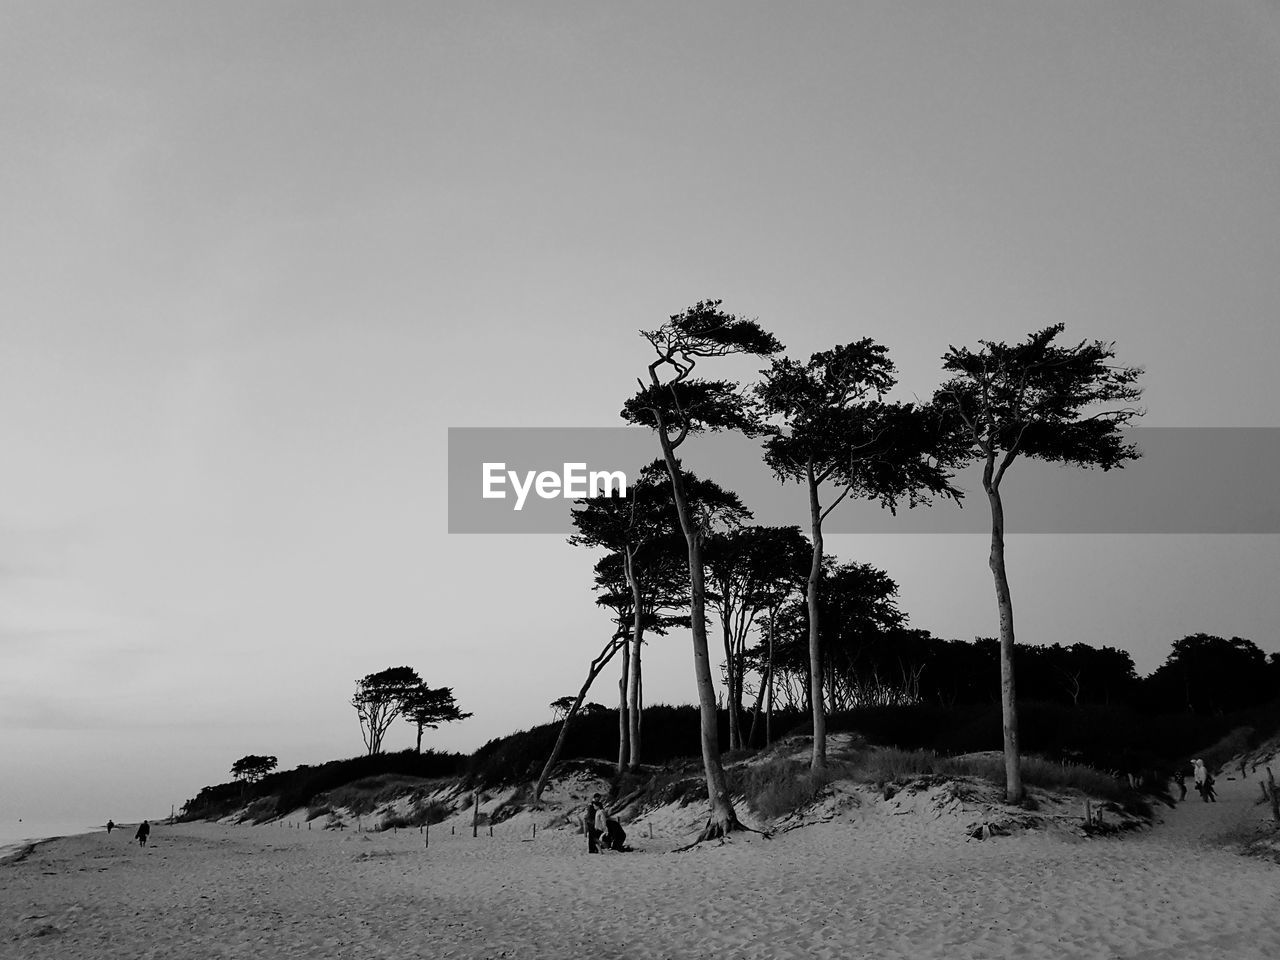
point(111, 825)
point(589, 823)
point(144, 831)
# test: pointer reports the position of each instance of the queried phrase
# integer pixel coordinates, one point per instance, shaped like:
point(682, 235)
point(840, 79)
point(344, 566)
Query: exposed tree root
point(718, 830)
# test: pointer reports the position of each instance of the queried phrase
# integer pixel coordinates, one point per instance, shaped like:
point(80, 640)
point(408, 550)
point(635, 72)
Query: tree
point(676, 407)
point(428, 707)
point(252, 768)
point(750, 570)
point(560, 707)
point(1210, 675)
point(379, 699)
point(839, 429)
point(614, 593)
point(641, 531)
point(1043, 401)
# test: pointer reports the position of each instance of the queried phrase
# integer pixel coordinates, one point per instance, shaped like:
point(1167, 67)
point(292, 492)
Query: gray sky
point(258, 257)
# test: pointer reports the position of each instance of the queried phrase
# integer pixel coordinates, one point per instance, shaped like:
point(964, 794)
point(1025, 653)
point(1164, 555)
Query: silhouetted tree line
point(873, 660)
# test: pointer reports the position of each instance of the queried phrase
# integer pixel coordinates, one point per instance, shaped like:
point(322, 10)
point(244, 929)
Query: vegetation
point(382, 697)
point(838, 428)
point(676, 408)
point(1034, 399)
point(252, 768)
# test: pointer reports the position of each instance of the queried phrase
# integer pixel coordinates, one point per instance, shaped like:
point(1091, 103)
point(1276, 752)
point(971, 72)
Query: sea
point(15, 834)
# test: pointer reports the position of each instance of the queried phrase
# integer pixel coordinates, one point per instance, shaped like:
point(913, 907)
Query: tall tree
point(677, 406)
point(1035, 399)
point(838, 430)
point(379, 699)
point(428, 707)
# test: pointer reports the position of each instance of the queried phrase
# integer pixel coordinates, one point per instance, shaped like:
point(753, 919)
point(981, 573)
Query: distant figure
point(1204, 782)
point(1180, 778)
point(111, 825)
point(589, 823)
point(144, 831)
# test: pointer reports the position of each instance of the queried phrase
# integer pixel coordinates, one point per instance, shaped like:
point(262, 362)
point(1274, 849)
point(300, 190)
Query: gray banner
point(1189, 480)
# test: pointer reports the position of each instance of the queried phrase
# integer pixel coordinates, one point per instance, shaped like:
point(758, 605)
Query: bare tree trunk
point(768, 714)
point(624, 721)
point(721, 817)
point(615, 644)
point(636, 706)
point(1004, 600)
point(735, 737)
point(419, 747)
point(819, 759)
point(766, 683)
point(632, 733)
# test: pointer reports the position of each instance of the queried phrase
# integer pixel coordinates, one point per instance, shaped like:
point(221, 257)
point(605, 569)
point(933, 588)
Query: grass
point(421, 813)
point(778, 786)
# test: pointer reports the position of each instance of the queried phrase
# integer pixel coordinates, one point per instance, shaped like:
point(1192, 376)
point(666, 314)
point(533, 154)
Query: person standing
point(1201, 776)
point(111, 825)
point(589, 823)
point(144, 831)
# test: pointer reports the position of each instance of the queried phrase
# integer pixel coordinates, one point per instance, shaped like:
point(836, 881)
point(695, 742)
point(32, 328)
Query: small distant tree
point(252, 768)
point(428, 707)
point(675, 407)
point(379, 699)
point(560, 707)
point(1044, 401)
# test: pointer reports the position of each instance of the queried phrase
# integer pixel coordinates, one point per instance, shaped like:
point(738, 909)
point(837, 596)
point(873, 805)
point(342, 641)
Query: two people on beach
point(1204, 782)
point(603, 832)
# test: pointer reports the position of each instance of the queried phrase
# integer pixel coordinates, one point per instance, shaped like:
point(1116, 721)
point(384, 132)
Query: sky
point(259, 257)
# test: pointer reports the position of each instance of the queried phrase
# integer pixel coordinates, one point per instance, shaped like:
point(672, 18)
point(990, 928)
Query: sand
point(872, 886)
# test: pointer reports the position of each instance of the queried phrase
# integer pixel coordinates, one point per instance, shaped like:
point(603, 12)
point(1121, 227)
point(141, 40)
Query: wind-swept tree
point(428, 707)
point(677, 406)
point(252, 768)
point(838, 431)
point(379, 699)
point(1036, 399)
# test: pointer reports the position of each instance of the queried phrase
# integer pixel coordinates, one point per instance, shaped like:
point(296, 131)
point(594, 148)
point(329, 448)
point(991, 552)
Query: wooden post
point(650, 829)
point(475, 816)
point(535, 831)
point(426, 837)
point(1088, 812)
point(491, 829)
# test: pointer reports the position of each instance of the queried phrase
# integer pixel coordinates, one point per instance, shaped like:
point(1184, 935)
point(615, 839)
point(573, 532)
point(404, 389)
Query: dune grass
point(778, 786)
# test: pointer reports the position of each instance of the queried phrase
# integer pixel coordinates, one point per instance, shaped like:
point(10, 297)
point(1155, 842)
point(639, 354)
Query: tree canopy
point(252, 768)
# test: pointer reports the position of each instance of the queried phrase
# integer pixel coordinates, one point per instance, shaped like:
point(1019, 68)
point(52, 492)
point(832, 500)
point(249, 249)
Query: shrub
point(777, 787)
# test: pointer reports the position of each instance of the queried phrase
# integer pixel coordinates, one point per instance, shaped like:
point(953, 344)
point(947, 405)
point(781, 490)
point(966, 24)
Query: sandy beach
point(877, 886)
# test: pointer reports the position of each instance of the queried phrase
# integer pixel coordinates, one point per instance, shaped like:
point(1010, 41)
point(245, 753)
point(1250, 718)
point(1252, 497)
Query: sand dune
point(876, 886)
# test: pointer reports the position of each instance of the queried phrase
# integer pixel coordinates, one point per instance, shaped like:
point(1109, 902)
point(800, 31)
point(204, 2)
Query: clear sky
point(258, 257)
